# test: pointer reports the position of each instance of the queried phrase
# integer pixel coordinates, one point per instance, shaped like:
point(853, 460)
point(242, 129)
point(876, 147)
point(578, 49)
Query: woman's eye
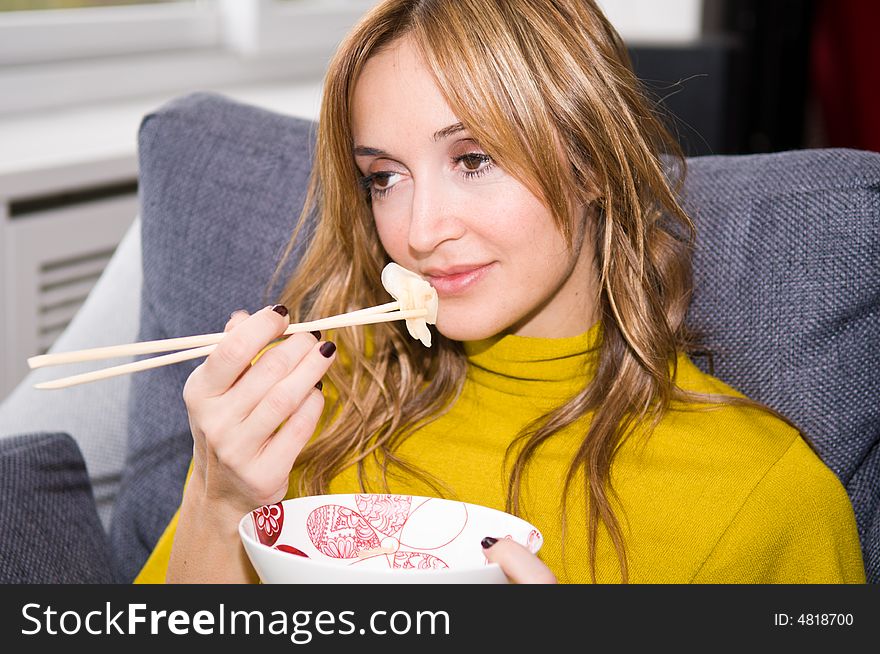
point(384, 181)
point(380, 183)
point(474, 164)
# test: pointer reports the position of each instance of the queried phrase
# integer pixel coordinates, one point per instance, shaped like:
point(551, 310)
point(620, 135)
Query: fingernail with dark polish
point(327, 349)
point(488, 542)
point(319, 385)
point(316, 334)
point(280, 309)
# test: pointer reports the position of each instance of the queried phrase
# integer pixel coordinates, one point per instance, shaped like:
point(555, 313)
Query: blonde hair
point(545, 87)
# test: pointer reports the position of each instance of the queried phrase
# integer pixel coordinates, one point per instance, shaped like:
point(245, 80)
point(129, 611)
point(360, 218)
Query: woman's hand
point(517, 562)
point(249, 423)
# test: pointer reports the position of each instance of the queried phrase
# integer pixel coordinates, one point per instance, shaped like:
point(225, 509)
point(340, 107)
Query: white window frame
point(32, 37)
point(260, 27)
point(57, 58)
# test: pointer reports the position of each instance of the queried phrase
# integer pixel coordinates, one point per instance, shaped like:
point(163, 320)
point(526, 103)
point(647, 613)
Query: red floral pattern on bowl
point(380, 526)
point(268, 521)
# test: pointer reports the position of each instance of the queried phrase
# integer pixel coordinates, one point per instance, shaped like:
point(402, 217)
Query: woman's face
point(445, 210)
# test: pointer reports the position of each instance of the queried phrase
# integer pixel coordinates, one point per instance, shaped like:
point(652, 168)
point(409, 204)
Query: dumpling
point(412, 292)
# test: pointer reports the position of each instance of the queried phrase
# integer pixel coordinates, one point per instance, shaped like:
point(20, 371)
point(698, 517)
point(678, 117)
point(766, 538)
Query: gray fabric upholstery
point(786, 297)
point(222, 185)
point(51, 531)
point(95, 415)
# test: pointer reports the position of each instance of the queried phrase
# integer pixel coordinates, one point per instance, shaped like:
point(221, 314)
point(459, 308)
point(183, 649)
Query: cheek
point(392, 234)
point(524, 229)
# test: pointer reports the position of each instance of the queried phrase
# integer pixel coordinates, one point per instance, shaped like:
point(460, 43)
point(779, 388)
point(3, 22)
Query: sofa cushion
point(51, 531)
point(221, 185)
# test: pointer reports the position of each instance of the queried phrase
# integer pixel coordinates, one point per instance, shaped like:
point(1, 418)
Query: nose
point(434, 217)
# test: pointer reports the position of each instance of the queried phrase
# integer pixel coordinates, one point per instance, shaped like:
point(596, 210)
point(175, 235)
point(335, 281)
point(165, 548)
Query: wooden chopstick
point(333, 322)
point(184, 342)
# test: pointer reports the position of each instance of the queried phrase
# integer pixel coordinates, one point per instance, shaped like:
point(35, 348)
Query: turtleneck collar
point(554, 368)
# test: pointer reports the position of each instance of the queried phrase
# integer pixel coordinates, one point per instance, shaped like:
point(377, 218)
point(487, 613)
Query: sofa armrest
point(49, 527)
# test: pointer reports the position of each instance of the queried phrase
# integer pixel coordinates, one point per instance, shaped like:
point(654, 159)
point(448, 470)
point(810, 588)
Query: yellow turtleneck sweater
point(724, 495)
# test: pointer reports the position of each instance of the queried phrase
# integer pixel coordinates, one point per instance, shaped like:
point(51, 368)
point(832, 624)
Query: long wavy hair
point(546, 88)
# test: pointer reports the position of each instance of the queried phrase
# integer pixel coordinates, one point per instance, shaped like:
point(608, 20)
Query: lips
point(452, 270)
point(456, 280)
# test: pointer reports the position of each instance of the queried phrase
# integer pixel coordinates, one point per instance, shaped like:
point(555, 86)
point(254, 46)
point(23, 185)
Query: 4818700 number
point(825, 619)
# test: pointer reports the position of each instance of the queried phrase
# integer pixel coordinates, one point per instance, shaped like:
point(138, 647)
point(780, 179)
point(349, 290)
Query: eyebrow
point(446, 132)
point(363, 151)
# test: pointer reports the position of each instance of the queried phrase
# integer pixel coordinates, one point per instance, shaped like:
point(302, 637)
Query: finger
point(285, 397)
point(238, 348)
point(274, 365)
point(517, 562)
point(289, 441)
point(236, 318)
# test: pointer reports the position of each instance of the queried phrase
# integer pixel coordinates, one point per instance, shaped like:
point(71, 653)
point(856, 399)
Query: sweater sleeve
point(796, 526)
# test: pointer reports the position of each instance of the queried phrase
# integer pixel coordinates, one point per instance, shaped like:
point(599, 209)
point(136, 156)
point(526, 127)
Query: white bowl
point(371, 538)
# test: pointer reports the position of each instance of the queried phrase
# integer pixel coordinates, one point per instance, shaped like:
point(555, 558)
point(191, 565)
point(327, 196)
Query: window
point(65, 30)
point(61, 52)
point(36, 5)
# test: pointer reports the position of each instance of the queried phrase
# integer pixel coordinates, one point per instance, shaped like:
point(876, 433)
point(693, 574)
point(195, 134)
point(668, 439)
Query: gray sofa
point(787, 302)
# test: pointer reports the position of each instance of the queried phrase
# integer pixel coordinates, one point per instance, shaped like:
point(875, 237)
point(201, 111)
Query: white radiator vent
point(64, 286)
point(56, 245)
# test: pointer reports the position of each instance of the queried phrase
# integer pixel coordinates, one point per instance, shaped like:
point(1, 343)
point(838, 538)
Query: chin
point(467, 330)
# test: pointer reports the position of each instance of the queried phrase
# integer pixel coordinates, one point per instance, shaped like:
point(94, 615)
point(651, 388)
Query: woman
point(502, 150)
